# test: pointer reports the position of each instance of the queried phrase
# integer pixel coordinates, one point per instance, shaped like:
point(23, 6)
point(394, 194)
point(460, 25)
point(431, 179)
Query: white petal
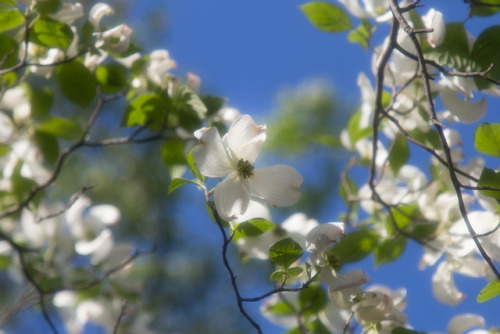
point(336, 282)
point(117, 39)
point(211, 156)
point(245, 138)
point(98, 12)
point(463, 322)
point(466, 111)
point(277, 184)
point(104, 214)
point(257, 208)
point(444, 287)
point(434, 19)
point(232, 197)
point(321, 238)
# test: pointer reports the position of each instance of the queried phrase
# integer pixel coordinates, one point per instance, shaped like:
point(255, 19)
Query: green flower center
point(245, 168)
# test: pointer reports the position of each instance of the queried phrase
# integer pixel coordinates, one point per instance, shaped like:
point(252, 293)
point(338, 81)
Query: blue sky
point(249, 50)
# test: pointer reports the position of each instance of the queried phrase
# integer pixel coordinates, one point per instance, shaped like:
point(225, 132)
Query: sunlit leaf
point(253, 227)
point(8, 48)
point(10, 18)
point(146, 109)
point(399, 155)
point(285, 252)
point(490, 291)
point(484, 9)
point(326, 16)
point(355, 245)
point(60, 127)
point(487, 139)
point(172, 154)
point(361, 34)
point(486, 52)
point(178, 182)
point(454, 50)
point(51, 33)
point(489, 178)
point(390, 250)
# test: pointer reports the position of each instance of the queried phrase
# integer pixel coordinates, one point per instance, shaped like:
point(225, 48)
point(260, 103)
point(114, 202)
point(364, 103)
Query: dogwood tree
point(71, 82)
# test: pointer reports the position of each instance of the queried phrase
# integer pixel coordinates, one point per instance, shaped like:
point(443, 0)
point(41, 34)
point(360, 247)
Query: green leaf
point(253, 228)
point(5, 262)
point(429, 138)
point(491, 290)
point(281, 275)
point(361, 34)
point(41, 101)
point(355, 245)
point(285, 252)
point(486, 51)
point(178, 182)
point(21, 186)
point(390, 249)
point(12, 3)
point(402, 217)
point(424, 230)
point(112, 78)
point(47, 6)
point(402, 330)
point(77, 83)
point(478, 10)
point(148, 108)
point(354, 129)
point(10, 18)
point(193, 168)
point(49, 146)
point(326, 16)
point(454, 50)
point(312, 300)
point(184, 97)
point(489, 178)
point(399, 155)
point(8, 48)
point(172, 154)
point(4, 149)
point(487, 139)
point(348, 188)
point(280, 308)
point(60, 127)
point(51, 33)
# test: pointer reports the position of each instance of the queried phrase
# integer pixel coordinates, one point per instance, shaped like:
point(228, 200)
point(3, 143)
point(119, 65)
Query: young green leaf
point(326, 16)
point(399, 155)
point(285, 252)
point(178, 182)
point(487, 139)
point(112, 78)
point(10, 18)
point(490, 291)
point(253, 227)
point(51, 33)
point(77, 83)
point(355, 245)
point(60, 127)
point(485, 52)
point(8, 49)
point(389, 250)
point(172, 154)
point(147, 108)
point(489, 178)
point(454, 50)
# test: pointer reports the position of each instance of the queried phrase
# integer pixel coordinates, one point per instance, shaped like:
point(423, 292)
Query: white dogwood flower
point(233, 157)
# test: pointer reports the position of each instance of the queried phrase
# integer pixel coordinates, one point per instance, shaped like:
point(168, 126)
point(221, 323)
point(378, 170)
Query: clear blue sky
point(249, 50)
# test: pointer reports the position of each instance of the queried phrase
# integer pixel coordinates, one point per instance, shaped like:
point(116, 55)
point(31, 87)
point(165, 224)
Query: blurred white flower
point(97, 12)
point(159, 63)
point(320, 239)
point(434, 19)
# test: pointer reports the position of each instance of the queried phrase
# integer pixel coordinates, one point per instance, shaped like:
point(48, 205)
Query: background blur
point(273, 64)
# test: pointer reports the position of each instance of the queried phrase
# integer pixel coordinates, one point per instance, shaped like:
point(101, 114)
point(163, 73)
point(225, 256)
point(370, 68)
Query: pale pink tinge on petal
point(434, 19)
point(444, 287)
point(465, 111)
point(211, 156)
point(278, 184)
point(245, 138)
point(232, 197)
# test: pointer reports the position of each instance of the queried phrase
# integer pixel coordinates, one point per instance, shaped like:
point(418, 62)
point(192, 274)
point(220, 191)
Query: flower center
point(245, 168)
